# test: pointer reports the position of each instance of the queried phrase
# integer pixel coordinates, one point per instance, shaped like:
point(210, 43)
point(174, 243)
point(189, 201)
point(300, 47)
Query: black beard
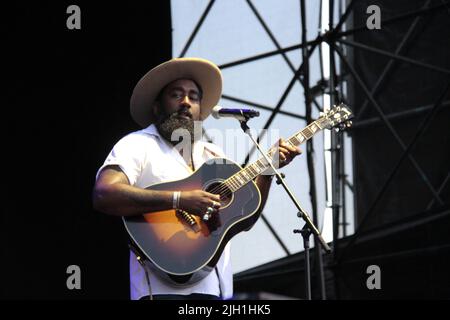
point(168, 125)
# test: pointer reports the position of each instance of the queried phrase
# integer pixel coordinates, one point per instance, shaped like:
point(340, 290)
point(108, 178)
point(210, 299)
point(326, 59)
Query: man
point(170, 97)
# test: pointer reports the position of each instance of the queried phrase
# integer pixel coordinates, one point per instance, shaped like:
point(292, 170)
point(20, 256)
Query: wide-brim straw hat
point(205, 73)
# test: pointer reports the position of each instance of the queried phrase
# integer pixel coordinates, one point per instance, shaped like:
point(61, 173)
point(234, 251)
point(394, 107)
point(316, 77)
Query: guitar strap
point(140, 259)
point(220, 285)
point(192, 161)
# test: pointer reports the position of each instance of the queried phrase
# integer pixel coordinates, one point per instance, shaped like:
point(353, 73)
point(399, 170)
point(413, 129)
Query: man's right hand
point(197, 202)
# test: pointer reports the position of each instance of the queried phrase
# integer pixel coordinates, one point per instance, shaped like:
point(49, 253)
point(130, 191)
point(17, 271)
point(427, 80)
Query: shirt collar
point(152, 130)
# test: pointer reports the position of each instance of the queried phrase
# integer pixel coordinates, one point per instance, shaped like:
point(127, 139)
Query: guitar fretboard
point(241, 178)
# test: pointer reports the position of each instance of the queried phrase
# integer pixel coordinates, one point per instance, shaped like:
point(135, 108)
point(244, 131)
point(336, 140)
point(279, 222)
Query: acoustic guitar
point(183, 248)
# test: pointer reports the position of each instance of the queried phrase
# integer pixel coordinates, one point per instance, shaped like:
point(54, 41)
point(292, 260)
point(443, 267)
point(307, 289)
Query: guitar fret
point(239, 180)
point(253, 171)
point(319, 123)
point(292, 141)
point(260, 164)
point(228, 184)
point(302, 138)
point(246, 175)
point(236, 182)
point(313, 127)
point(233, 183)
point(307, 133)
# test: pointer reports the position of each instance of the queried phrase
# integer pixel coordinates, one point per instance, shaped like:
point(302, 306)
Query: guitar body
point(186, 253)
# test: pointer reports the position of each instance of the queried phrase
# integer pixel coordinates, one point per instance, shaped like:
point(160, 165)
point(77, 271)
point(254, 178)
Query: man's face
point(182, 97)
point(178, 106)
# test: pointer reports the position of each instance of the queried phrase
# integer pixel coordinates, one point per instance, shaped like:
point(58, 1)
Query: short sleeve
point(129, 155)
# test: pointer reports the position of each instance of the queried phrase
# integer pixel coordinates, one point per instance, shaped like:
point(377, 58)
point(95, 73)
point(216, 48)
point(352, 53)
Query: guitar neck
point(241, 178)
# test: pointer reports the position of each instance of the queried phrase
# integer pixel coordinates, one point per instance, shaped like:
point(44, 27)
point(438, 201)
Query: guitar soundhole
point(226, 196)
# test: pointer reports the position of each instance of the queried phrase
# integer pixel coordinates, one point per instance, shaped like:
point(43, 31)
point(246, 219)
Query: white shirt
point(146, 158)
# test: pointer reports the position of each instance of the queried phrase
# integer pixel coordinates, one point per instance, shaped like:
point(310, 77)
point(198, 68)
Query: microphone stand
point(309, 226)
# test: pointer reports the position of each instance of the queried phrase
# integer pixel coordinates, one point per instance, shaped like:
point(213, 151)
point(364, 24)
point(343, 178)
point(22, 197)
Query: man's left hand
point(287, 152)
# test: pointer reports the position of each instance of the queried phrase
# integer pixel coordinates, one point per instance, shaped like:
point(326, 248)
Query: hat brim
point(204, 72)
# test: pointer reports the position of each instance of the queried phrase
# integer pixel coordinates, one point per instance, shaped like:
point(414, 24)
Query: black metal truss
point(263, 107)
point(386, 119)
point(409, 113)
point(389, 66)
point(388, 123)
point(421, 129)
point(400, 17)
point(441, 187)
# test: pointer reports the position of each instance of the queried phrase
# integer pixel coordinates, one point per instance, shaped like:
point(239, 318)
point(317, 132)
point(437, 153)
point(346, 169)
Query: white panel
point(229, 32)
point(184, 19)
point(283, 20)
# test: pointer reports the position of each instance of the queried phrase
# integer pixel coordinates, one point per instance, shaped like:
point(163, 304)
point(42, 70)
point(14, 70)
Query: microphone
point(240, 114)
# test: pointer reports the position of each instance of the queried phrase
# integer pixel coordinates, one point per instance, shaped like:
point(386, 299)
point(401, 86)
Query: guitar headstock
point(337, 117)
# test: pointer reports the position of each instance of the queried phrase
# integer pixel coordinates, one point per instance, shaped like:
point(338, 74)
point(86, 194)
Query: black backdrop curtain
point(67, 103)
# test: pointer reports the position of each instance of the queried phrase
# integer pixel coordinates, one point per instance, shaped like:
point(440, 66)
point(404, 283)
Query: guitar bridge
point(189, 219)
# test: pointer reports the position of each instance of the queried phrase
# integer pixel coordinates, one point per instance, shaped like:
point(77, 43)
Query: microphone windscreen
point(215, 112)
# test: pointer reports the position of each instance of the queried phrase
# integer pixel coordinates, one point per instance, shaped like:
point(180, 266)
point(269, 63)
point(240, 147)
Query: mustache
point(184, 112)
point(177, 115)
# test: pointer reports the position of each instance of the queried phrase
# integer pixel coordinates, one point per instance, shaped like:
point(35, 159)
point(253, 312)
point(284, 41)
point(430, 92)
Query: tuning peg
point(348, 124)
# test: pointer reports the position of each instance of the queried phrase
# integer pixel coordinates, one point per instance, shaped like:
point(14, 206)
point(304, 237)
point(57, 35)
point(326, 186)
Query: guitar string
point(224, 190)
point(222, 187)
